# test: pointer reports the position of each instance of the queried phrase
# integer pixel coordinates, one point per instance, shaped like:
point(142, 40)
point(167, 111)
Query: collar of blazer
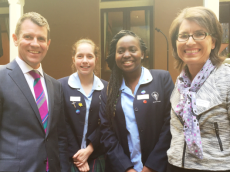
point(18, 77)
point(207, 93)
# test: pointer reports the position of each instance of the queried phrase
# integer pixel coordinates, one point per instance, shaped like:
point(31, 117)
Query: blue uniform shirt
point(75, 82)
point(133, 137)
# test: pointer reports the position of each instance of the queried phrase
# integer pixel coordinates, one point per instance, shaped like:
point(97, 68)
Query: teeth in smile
point(191, 51)
point(35, 52)
point(127, 62)
point(85, 66)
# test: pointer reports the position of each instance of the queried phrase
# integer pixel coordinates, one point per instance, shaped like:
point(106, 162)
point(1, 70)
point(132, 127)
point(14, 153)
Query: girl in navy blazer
point(135, 109)
point(82, 99)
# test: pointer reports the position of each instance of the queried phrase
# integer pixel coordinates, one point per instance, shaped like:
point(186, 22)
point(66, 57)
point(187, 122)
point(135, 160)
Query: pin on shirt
point(155, 96)
point(143, 92)
point(144, 101)
point(77, 111)
point(73, 103)
point(80, 104)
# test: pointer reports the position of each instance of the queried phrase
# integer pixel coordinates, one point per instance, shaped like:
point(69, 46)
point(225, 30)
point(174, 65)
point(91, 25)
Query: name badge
point(75, 99)
point(144, 96)
point(203, 103)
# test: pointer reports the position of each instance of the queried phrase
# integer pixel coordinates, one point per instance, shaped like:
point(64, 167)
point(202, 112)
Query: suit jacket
point(153, 124)
point(24, 145)
point(213, 108)
point(75, 122)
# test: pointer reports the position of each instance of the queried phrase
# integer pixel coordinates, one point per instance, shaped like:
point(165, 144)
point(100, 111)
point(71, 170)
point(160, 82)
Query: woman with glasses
point(200, 114)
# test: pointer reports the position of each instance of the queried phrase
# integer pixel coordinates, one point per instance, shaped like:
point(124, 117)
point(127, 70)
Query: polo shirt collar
point(74, 82)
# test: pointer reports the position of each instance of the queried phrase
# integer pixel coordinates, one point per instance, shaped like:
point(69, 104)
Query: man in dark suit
point(32, 124)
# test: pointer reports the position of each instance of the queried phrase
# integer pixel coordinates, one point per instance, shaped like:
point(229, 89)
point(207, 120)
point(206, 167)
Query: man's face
point(32, 43)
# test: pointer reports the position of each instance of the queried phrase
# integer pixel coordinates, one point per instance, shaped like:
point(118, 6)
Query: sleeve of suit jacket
point(119, 160)
point(62, 138)
point(95, 137)
point(158, 154)
point(73, 146)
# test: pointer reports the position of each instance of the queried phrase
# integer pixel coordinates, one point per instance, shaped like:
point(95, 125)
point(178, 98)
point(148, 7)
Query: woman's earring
point(141, 57)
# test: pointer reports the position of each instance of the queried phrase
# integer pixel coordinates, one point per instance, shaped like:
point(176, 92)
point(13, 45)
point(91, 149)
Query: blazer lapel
point(207, 94)
point(50, 91)
point(19, 79)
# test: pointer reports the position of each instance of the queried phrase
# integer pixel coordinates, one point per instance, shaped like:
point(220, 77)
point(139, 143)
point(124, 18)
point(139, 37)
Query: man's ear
point(48, 44)
point(15, 38)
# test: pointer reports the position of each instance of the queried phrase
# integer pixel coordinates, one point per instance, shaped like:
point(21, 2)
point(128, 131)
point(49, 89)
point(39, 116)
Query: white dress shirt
point(30, 80)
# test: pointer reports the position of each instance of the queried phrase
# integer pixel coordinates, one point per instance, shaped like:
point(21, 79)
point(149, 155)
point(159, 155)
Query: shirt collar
point(27, 68)
point(74, 82)
point(145, 78)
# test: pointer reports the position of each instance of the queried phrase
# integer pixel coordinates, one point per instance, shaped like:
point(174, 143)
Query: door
point(138, 20)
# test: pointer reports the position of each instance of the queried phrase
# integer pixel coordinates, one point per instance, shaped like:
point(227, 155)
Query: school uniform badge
point(155, 96)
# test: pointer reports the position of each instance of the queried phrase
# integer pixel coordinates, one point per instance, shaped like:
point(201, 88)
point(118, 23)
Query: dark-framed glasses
point(196, 36)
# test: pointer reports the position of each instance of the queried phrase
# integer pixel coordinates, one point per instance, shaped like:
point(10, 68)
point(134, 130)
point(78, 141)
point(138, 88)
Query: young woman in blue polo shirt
point(82, 92)
point(135, 109)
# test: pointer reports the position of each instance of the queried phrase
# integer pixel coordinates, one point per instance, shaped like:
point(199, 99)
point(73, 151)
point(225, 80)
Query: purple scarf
point(186, 108)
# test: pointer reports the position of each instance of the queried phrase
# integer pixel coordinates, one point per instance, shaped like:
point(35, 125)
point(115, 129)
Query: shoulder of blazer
point(104, 82)
point(158, 72)
point(54, 81)
point(64, 80)
point(223, 70)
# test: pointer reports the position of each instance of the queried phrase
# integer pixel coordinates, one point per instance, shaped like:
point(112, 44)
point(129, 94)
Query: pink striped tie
point(41, 101)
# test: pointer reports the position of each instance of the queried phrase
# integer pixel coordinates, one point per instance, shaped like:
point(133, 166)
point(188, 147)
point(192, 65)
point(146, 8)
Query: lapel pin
point(77, 111)
point(80, 104)
point(74, 104)
point(144, 101)
point(143, 92)
point(155, 96)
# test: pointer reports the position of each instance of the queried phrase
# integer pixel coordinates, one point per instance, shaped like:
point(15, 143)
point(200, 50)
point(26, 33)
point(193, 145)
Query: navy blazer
point(152, 119)
point(24, 145)
point(75, 122)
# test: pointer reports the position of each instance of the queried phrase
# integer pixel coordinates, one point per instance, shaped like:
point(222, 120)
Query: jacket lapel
point(18, 77)
point(208, 94)
point(50, 91)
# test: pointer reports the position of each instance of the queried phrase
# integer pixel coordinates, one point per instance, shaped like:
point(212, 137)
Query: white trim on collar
point(74, 82)
point(145, 78)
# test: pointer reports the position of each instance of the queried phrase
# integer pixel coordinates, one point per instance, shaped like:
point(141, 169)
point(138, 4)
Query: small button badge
point(143, 92)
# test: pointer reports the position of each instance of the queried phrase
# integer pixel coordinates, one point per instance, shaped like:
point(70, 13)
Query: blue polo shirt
point(127, 98)
point(75, 82)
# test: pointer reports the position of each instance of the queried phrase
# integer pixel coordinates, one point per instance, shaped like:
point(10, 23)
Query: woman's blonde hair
point(205, 18)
